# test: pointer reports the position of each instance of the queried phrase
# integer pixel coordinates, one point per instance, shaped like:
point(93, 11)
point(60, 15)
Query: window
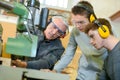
point(57, 3)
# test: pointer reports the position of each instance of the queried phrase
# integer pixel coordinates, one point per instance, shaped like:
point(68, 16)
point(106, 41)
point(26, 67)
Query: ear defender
point(102, 30)
point(92, 18)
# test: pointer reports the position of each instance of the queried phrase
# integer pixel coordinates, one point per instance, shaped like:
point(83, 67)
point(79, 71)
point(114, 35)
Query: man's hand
point(19, 63)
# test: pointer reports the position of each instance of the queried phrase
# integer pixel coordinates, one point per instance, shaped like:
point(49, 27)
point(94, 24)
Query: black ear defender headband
point(92, 17)
point(102, 30)
point(65, 23)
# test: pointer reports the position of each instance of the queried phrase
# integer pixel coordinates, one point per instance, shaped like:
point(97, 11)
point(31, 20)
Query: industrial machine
point(30, 19)
point(10, 73)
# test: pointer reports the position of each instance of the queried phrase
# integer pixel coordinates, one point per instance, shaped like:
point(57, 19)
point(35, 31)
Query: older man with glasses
point(49, 48)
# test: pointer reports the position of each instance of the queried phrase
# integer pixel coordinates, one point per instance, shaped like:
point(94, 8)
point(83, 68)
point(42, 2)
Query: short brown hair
point(94, 26)
point(78, 10)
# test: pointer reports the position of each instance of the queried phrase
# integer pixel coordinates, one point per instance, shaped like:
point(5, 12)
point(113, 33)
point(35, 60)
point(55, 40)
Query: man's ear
point(62, 36)
point(65, 33)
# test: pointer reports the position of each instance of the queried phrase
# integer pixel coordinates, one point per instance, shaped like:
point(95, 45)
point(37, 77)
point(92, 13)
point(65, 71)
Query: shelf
point(116, 16)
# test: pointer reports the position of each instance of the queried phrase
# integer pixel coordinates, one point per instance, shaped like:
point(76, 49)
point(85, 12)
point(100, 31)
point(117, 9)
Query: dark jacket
point(48, 53)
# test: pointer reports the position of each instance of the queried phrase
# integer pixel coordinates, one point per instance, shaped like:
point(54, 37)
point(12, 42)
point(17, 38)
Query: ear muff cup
point(103, 31)
point(92, 18)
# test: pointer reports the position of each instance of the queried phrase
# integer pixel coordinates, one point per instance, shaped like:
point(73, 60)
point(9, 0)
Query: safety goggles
point(60, 32)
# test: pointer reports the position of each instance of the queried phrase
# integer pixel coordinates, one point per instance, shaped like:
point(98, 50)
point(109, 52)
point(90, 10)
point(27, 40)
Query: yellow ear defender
point(102, 30)
point(92, 18)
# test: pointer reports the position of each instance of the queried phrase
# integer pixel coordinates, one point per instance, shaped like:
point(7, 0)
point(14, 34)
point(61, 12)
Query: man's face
point(95, 39)
point(80, 21)
point(55, 29)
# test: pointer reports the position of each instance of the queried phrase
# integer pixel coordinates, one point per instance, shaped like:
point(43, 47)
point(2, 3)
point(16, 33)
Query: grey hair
point(63, 19)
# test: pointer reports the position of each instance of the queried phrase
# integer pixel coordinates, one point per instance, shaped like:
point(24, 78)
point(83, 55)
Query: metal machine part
point(26, 74)
point(18, 44)
point(29, 20)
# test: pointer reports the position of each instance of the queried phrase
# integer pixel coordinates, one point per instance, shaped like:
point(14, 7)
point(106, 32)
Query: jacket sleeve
point(47, 61)
point(102, 75)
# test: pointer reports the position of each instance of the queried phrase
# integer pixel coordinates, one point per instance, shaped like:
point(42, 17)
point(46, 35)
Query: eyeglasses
point(78, 23)
point(60, 32)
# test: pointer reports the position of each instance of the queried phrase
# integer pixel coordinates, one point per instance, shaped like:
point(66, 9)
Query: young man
point(50, 48)
point(91, 61)
point(101, 35)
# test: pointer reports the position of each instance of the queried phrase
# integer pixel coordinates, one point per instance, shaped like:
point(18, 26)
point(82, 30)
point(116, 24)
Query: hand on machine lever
point(18, 63)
